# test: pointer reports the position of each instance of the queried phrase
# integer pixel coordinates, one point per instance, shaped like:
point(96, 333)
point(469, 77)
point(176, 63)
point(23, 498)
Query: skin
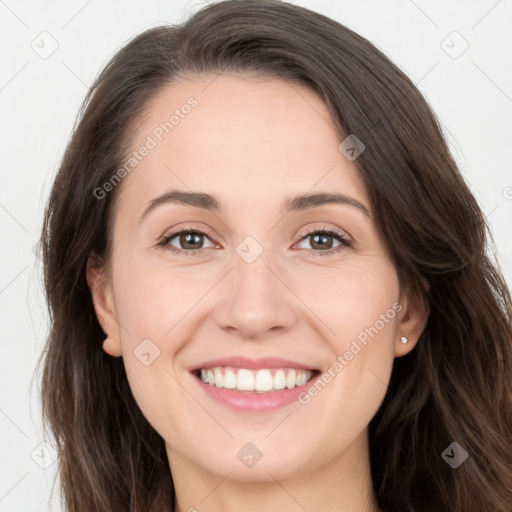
point(252, 143)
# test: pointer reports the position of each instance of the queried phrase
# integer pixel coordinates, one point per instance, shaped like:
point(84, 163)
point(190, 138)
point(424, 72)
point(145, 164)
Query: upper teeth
point(254, 380)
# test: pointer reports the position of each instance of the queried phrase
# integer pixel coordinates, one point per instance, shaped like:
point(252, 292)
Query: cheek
point(356, 301)
point(154, 299)
point(359, 305)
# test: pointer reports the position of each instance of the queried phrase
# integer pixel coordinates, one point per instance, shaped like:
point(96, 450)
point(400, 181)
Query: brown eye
point(188, 240)
point(322, 241)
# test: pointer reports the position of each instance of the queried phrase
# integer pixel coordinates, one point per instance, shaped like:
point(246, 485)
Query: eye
point(190, 240)
point(323, 237)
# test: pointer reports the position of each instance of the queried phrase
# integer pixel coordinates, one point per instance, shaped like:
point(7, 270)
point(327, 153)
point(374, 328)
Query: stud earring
point(403, 340)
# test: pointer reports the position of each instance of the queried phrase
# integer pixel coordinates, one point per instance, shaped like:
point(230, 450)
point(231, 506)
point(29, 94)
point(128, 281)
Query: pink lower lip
point(251, 401)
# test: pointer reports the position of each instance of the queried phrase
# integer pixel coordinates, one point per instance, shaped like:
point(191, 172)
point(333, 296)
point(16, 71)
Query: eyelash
point(342, 238)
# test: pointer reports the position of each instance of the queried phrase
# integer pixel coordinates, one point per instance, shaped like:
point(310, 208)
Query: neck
point(343, 484)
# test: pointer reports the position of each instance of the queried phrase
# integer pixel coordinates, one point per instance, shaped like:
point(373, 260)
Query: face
point(306, 285)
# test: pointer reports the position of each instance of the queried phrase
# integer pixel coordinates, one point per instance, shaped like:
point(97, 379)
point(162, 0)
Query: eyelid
point(327, 229)
point(345, 239)
point(177, 231)
point(170, 234)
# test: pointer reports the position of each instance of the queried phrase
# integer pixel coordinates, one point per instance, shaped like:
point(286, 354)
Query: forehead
point(250, 140)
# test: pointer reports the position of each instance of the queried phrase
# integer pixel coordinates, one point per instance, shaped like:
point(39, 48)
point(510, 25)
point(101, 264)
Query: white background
point(471, 94)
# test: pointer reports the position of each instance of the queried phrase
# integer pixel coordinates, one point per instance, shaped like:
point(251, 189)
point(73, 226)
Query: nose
point(258, 301)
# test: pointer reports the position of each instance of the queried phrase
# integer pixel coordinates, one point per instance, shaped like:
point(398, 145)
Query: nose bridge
point(253, 282)
point(258, 301)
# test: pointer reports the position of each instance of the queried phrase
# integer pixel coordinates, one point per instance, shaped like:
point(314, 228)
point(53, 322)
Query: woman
point(268, 283)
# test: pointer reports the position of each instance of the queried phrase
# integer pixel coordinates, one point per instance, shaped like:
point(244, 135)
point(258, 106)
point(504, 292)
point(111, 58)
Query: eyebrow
point(210, 203)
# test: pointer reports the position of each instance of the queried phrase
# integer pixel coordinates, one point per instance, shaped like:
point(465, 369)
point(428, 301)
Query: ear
point(103, 299)
point(412, 321)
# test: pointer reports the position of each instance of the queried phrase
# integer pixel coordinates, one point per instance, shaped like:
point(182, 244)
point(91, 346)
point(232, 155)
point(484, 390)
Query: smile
point(260, 381)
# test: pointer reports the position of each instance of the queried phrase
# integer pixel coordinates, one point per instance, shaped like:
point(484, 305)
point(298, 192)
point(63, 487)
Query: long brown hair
point(455, 386)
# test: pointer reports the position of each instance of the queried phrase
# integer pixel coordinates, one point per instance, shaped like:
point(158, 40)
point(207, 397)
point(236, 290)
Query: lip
point(253, 364)
point(252, 402)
